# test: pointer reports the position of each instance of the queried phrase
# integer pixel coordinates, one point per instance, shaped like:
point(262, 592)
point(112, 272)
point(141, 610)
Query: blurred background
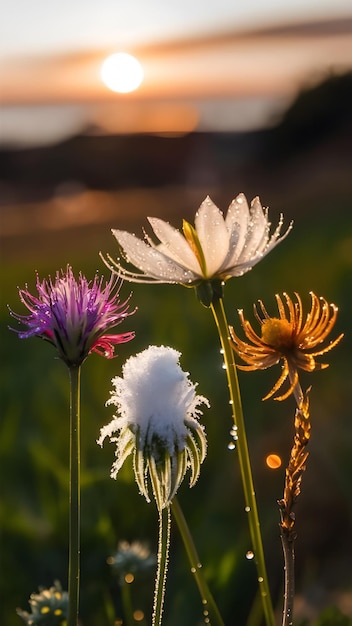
point(255, 99)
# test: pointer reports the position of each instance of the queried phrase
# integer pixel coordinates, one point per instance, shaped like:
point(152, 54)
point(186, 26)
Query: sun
point(122, 72)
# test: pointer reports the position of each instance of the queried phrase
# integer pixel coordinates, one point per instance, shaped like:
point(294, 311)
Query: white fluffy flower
point(157, 421)
point(216, 248)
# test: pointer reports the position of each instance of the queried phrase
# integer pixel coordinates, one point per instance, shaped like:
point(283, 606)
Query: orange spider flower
point(290, 337)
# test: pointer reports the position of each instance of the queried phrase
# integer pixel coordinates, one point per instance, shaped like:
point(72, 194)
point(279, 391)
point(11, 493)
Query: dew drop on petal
point(249, 555)
point(231, 445)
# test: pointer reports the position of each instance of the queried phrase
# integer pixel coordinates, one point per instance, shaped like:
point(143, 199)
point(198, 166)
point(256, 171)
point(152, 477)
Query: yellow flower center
point(277, 333)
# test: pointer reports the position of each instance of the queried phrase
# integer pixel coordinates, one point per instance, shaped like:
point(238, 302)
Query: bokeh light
point(273, 461)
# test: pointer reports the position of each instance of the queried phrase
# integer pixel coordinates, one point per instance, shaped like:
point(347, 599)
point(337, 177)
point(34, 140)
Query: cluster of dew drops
point(231, 446)
point(204, 601)
point(233, 432)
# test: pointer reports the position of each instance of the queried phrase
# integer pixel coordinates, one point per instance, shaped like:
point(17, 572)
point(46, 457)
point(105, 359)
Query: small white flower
point(157, 422)
point(214, 249)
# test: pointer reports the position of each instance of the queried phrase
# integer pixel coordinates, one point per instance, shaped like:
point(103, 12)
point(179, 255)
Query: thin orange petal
point(279, 383)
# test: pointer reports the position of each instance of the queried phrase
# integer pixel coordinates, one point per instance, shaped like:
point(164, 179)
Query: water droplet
point(260, 579)
point(199, 565)
point(224, 366)
point(249, 555)
point(222, 351)
point(204, 601)
point(193, 570)
point(247, 509)
point(230, 401)
point(231, 445)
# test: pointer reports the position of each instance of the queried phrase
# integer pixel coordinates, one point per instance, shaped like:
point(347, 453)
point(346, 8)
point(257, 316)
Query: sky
point(46, 26)
point(208, 65)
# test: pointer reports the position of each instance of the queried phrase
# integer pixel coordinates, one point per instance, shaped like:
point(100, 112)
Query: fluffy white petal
point(213, 235)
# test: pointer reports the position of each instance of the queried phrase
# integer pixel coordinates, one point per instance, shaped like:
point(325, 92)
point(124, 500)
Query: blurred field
point(312, 187)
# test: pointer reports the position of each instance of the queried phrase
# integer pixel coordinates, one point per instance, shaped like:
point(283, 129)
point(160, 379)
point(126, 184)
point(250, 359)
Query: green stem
point(208, 601)
point(74, 522)
point(163, 557)
point(251, 509)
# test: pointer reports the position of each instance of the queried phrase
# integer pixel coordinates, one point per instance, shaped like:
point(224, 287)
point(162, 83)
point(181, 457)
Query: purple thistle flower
point(74, 315)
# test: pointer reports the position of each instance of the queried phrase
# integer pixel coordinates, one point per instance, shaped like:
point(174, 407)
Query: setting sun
point(121, 72)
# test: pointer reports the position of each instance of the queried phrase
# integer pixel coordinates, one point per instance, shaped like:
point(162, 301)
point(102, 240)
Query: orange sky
point(184, 79)
point(252, 64)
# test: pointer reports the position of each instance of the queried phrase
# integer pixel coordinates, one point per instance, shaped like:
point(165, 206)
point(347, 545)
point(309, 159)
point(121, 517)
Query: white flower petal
point(237, 220)
point(275, 237)
point(241, 268)
point(257, 232)
point(174, 245)
point(213, 236)
point(150, 260)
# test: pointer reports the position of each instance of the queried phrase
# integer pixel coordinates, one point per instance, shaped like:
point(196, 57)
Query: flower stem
point(288, 547)
point(293, 477)
point(207, 599)
point(74, 495)
point(218, 310)
point(163, 558)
